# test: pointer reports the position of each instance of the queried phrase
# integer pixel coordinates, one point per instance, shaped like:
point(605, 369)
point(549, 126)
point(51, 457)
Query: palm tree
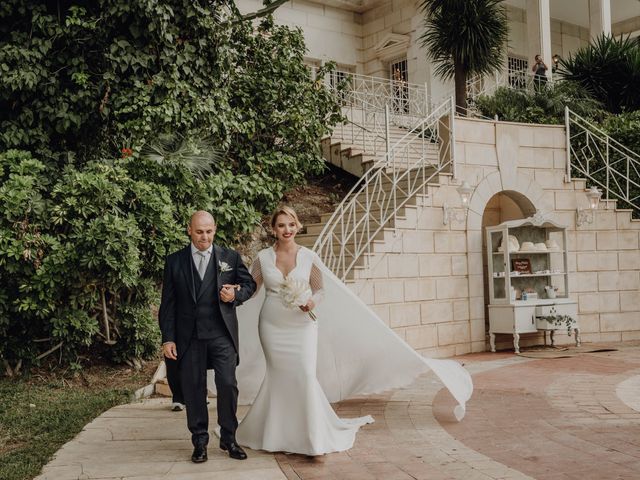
point(609, 69)
point(464, 38)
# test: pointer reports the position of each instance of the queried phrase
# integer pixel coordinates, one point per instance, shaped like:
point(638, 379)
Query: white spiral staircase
point(399, 145)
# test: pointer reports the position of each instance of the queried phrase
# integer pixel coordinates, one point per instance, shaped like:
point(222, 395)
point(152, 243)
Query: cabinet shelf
point(529, 275)
point(529, 252)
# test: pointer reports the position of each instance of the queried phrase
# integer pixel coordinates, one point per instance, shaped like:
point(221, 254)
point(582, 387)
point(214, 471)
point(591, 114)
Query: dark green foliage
point(609, 69)
point(465, 38)
point(118, 119)
point(543, 106)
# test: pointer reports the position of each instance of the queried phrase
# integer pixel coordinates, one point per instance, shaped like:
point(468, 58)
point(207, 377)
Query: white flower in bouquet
point(295, 293)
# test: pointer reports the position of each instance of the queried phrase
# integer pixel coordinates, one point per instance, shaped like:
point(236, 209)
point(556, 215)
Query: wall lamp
point(451, 214)
point(585, 216)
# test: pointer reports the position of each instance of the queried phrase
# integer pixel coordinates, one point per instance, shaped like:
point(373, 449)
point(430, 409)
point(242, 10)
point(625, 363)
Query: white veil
point(357, 353)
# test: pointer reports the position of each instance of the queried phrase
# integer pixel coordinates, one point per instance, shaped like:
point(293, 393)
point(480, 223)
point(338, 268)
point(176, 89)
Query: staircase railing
point(603, 161)
point(406, 169)
point(372, 104)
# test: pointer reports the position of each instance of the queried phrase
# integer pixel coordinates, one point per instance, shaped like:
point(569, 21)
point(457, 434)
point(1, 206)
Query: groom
point(203, 283)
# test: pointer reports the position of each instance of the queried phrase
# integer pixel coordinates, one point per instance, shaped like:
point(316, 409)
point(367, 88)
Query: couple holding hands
point(289, 366)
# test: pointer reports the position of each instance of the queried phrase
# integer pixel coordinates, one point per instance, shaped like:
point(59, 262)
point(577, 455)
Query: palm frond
point(200, 156)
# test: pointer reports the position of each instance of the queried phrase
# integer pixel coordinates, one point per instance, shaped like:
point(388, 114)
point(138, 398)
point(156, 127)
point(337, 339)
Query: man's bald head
point(202, 228)
point(201, 215)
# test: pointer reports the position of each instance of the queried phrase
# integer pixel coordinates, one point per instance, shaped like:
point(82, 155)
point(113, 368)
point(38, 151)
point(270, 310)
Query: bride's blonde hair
point(285, 210)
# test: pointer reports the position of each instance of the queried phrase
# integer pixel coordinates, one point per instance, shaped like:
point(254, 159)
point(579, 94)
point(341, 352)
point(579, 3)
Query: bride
point(292, 365)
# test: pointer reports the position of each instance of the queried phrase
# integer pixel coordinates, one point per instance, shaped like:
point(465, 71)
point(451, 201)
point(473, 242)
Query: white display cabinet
point(528, 279)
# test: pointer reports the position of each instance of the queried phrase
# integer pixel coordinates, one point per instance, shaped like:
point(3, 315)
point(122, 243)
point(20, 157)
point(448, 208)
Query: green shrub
point(543, 106)
point(118, 119)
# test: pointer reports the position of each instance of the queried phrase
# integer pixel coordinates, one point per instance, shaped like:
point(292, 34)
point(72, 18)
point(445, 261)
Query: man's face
point(202, 230)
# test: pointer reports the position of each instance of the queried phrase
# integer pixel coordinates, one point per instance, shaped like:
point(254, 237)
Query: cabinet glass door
point(497, 268)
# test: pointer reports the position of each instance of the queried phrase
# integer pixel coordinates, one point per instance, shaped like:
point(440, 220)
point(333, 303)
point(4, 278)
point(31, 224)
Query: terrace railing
point(603, 161)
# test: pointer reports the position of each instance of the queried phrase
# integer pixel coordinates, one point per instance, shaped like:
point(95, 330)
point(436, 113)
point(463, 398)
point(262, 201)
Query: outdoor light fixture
point(464, 191)
point(556, 60)
point(585, 216)
point(450, 214)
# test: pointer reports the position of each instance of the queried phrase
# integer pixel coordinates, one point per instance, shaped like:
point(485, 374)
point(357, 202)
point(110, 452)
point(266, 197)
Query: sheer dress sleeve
point(256, 273)
point(317, 287)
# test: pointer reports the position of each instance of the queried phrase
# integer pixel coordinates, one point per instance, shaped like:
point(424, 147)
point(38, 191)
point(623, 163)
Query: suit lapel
point(211, 274)
point(188, 271)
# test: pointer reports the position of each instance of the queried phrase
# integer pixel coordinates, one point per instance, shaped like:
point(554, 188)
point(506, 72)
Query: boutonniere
point(224, 267)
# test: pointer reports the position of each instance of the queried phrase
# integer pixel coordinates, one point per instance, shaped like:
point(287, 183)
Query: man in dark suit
point(203, 284)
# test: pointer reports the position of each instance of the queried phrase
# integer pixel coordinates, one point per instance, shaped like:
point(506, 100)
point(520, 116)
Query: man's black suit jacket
point(180, 307)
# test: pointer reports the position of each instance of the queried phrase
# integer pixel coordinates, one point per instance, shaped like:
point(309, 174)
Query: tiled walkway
point(565, 418)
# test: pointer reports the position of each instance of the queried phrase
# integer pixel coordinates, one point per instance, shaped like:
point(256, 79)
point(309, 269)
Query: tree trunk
point(460, 79)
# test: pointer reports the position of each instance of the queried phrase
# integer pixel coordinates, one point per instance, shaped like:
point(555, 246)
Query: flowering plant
point(224, 267)
point(295, 293)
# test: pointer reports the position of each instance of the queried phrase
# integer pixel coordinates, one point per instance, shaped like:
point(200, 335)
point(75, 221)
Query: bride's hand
point(308, 307)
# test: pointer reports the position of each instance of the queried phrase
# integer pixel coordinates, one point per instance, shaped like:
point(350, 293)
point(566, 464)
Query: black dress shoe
point(235, 450)
point(199, 455)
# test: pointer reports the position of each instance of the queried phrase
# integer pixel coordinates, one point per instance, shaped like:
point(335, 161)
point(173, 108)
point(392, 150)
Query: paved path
point(555, 419)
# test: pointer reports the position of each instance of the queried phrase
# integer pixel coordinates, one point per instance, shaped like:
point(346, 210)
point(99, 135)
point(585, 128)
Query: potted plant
point(555, 321)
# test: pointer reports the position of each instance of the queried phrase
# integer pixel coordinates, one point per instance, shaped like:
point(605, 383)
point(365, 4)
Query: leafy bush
point(609, 69)
point(117, 120)
point(543, 106)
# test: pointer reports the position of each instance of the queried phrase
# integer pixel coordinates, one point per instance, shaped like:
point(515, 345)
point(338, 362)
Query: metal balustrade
point(374, 202)
point(603, 161)
point(372, 104)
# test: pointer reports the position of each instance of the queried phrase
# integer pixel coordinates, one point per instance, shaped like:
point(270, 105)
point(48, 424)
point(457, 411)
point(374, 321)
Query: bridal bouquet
point(295, 293)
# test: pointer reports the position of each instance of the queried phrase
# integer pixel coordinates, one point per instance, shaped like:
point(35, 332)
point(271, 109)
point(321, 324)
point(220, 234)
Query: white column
point(539, 32)
point(599, 18)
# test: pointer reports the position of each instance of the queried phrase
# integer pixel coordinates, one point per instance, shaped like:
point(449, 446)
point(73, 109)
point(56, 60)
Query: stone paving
point(555, 419)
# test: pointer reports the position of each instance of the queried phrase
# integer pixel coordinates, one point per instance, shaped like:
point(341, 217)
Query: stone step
point(162, 388)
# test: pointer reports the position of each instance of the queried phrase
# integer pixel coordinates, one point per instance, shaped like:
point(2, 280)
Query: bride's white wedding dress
point(349, 351)
point(291, 413)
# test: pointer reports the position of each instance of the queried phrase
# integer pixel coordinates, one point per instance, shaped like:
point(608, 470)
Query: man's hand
point(169, 350)
point(228, 292)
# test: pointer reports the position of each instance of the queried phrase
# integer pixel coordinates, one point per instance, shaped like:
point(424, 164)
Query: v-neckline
point(275, 260)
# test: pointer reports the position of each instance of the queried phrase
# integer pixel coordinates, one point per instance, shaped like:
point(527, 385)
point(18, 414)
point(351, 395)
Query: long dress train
point(357, 353)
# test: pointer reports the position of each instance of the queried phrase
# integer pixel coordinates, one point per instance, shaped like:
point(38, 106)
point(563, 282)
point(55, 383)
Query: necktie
point(202, 265)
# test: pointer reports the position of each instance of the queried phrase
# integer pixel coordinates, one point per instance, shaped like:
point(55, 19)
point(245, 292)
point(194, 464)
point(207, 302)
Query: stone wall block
point(586, 241)
point(630, 302)
point(607, 240)
point(403, 266)
point(589, 323)
point(436, 312)
point(585, 282)
point(606, 219)
point(619, 322)
point(460, 310)
point(459, 264)
point(389, 291)
point(434, 265)
point(419, 289)
point(609, 302)
point(588, 303)
point(404, 315)
point(452, 287)
point(627, 240)
point(453, 333)
point(423, 336)
point(450, 242)
point(417, 241)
